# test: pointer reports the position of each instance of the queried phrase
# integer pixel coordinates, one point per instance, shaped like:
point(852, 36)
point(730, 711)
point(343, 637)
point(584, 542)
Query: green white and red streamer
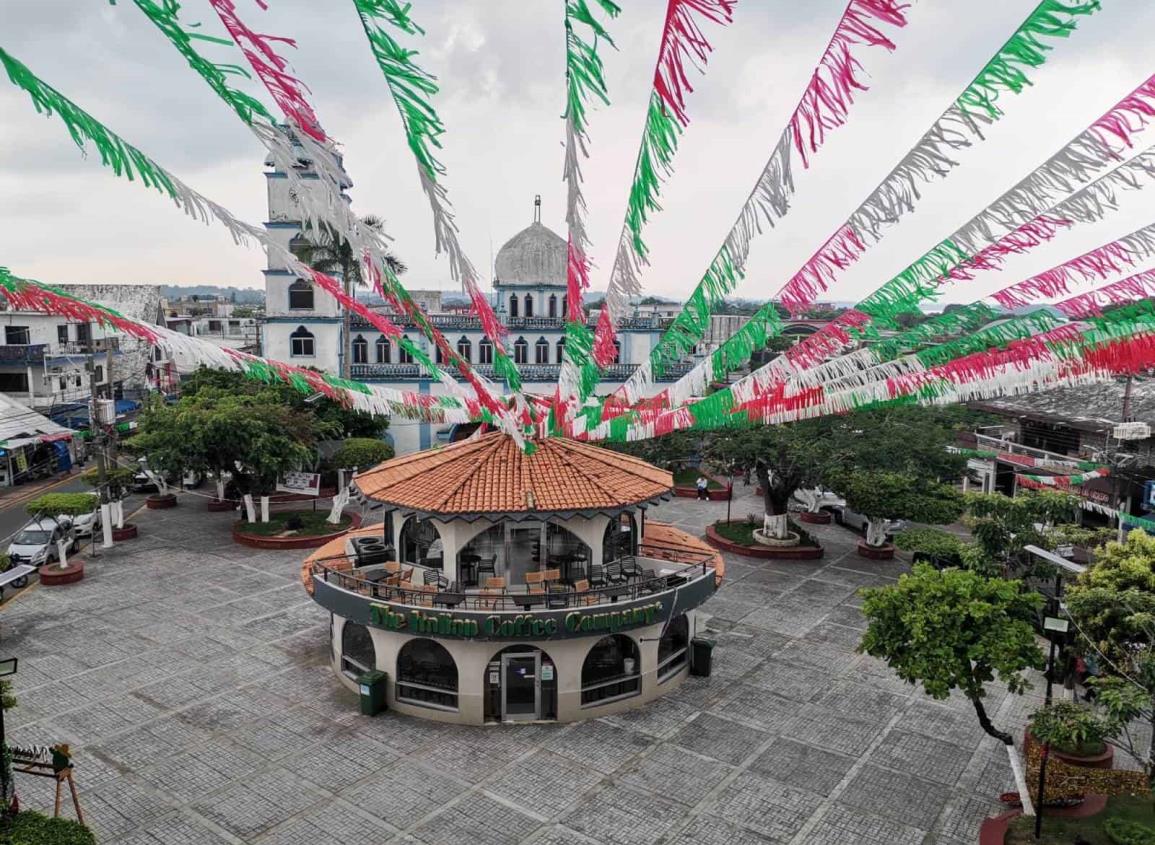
point(1059, 482)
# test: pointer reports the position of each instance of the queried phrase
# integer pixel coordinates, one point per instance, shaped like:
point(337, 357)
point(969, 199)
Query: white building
point(304, 326)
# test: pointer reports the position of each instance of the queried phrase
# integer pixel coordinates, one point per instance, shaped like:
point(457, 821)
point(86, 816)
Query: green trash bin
point(372, 688)
point(701, 656)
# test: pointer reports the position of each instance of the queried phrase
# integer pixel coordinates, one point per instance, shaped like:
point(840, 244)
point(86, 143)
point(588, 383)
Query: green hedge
point(72, 504)
point(362, 452)
point(34, 829)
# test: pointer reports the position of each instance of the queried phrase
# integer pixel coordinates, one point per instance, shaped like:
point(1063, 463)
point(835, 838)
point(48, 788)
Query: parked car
point(85, 524)
point(853, 519)
point(827, 501)
point(35, 544)
point(141, 483)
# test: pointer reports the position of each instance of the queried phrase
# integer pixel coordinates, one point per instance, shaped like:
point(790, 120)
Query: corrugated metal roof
point(19, 422)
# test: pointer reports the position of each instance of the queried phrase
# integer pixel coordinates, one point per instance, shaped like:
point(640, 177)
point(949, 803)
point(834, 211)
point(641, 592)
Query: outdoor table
point(528, 600)
point(448, 599)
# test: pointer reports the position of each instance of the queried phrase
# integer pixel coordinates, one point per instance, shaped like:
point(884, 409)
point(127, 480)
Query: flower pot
point(160, 501)
point(816, 517)
point(129, 532)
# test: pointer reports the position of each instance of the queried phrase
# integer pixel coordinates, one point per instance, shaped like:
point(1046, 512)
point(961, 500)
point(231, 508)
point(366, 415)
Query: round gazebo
point(507, 586)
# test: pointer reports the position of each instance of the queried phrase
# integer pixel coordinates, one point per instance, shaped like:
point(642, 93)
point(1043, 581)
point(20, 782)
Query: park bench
point(16, 577)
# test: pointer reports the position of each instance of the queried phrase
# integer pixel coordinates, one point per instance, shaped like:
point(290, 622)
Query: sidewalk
point(10, 496)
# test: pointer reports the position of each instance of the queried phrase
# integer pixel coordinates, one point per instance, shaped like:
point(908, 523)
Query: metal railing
point(22, 353)
point(465, 322)
point(636, 581)
point(529, 372)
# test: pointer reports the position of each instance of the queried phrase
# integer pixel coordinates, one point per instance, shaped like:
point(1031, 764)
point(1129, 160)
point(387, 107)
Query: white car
point(85, 524)
point(35, 544)
point(824, 499)
point(853, 519)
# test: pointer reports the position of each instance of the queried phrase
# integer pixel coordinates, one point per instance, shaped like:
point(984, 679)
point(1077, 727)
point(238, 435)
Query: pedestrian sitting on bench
point(703, 483)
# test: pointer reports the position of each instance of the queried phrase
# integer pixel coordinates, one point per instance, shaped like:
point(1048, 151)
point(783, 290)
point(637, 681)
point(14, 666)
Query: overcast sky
point(66, 219)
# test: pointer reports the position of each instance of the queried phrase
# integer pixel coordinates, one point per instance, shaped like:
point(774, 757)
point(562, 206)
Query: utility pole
point(96, 429)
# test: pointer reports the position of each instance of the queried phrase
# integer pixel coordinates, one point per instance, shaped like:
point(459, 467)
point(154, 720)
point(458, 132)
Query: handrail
point(631, 588)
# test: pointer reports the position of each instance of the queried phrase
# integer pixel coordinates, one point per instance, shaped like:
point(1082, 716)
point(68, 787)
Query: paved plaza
point(191, 676)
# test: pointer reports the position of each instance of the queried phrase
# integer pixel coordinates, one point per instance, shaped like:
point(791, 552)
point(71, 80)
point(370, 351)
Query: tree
point(881, 496)
point(52, 505)
point(362, 453)
point(329, 252)
point(784, 458)
point(1113, 606)
point(669, 451)
point(956, 630)
point(119, 481)
point(1002, 527)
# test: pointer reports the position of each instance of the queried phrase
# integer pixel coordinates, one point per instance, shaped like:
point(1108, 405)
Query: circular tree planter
point(312, 541)
point(690, 491)
point(160, 501)
point(221, 505)
point(994, 830)
point(54, 576)
point(883, 552)
point(282, 498)
point(762, 551)
point(128, 532)
point(1103, 760)
point(816, 517)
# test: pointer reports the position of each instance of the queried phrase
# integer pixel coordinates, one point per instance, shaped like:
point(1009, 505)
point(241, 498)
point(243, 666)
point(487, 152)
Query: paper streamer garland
point(412, 89)
point(1062, 482)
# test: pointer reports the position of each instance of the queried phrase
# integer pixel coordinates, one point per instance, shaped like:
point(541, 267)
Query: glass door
point(521, 687)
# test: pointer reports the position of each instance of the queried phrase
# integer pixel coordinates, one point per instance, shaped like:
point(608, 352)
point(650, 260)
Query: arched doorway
point(612, 670)
point(420, 543)
point(357, 653)
point(426, 675)
point(621, 538)
point(520, 685)
point(674, 647)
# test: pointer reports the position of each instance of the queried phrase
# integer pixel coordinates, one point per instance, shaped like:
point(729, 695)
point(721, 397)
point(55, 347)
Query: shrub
point(120, 480)
point(70, 504)
point(932, 542)
point(362, 452)
point(1128, 832)
point(1070, 727)
point(35, 829)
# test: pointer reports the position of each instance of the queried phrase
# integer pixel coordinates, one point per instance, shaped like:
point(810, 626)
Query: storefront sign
point(302, 483)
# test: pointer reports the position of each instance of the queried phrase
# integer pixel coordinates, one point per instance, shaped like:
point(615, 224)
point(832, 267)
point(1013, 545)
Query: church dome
point(534, 256)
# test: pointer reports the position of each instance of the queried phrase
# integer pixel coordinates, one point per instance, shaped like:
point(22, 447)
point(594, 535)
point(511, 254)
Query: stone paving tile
point(181, 830)
point(600, 745)
point(851, 825)
point(402, 792)
point(673, 773)
point(623, 815)
point(476, 819)
point(931, 719)
point(544, 783)
point(799, 683)
point(804, 766)
point(757, 706)
point(722, 739)
point(658, 719)
point(858, 701)
point(899, 797)
point(922, 756)
point(964, 815)
point(708, 830)
point(559, 835)
point(764, 806)
point(829, 729)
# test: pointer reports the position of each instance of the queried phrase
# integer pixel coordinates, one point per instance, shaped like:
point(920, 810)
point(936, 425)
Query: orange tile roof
point(492, 475)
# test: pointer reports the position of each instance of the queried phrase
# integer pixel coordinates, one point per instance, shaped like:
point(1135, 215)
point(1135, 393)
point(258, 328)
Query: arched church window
point(300, 296)
point(520, 351)
point(553, 306)
point(541, 351)
point(513, 305)
point(360, 350)
point(302, 344)
point(383, 350)
point(529, 305)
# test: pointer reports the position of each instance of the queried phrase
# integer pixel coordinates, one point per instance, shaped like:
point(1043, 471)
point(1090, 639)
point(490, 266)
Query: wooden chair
point(495, 583)
point(551, 575)
point(535, 582)
point(582, 588)
point(392, 567)
point(490, 598)
point(422, 595)
point(407, 573)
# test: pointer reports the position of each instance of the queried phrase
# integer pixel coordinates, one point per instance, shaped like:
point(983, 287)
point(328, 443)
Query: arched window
point(673, 648)
point(384, 350)
point(426, 675)
point(357, 653)
point(611, 670)
point(520, 351)
point(438, 355)
point(485, 351)
point(302, 344)
point(560, 349)
point(403, 354)
point(513, 305)
point(360, 350)
point(465, 348)
point(300, 296)
point(541, 351)
point(553, 306)
point(420, 543)
point(299, 244)
point(621, 538)
point(529, 305)
point(565, 306)
point(617, 352)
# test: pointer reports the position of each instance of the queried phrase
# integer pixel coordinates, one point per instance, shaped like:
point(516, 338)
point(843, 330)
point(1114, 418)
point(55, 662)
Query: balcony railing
point(629, 578)
point(529, 372)
point(24, 353)
point(465, 322)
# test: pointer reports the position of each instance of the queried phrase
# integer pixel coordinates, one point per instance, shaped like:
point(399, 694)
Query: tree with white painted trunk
point(61, 508)
point(119, 481)
point(955, 630)
point(885, 496)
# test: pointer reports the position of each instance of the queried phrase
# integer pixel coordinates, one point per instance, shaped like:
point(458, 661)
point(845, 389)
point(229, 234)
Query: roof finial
point(537, 208)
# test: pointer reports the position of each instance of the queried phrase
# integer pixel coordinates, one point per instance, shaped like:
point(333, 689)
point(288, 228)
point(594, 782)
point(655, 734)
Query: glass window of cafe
point(427, 675)
point(673, 648)
point(611, 670)
point(420, 543)
point(357, 653)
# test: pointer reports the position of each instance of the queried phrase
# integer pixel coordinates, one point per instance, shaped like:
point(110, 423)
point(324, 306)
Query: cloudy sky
point(65, 219)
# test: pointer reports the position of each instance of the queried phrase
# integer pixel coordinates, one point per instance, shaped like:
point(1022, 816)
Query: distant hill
point(247, 296)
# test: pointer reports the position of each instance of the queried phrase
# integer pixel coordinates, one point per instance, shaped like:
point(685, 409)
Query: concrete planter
point(281, 498)
point(160, 501)
point(1103, 760)
point(53, 576)
point(761, 552)
point(883, 552)
point(816, 518)
point(260, 542)
point(221, 505)
point(129, 532)
point(994, 830)
point(690, 491)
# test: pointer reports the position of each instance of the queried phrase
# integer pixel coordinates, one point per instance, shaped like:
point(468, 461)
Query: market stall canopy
point(491, 474)
point(20, 425)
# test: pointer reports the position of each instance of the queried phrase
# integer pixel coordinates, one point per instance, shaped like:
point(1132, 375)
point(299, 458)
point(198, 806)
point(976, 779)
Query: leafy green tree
point(1113, 606)
point(1002, 527)
point(362, 452)
point(955, 630)
point(67, 504)
point(325, 249)
point(880, 496)
point(941, 548)
point(784, 458)
point(671, 451)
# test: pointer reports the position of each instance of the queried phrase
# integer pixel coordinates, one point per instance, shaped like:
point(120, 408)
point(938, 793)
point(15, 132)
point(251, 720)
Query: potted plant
point(1076, 734)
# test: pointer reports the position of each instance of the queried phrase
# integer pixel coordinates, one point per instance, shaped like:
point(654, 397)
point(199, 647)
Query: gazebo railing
point(636, 581)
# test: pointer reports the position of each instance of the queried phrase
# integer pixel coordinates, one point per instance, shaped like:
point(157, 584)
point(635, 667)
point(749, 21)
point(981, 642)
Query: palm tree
point(325, 250)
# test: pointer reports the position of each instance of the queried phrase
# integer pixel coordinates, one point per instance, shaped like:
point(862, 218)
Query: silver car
point(853, 519)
